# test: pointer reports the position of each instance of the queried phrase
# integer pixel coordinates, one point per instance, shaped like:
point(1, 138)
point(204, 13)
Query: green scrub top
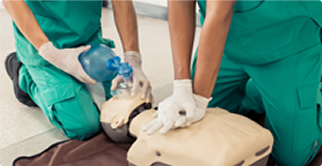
point(64, 100)
point(67, 24)
point(266, 31)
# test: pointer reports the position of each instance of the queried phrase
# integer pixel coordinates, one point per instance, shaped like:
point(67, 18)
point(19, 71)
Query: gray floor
point(25, 131)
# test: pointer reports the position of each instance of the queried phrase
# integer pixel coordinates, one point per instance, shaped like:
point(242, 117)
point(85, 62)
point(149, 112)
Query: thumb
point(85, 48)
point(87, 79)
point(116, 81)
point(189, 113)
point(135, 87)
point(82, 49)
point(83, 77)
point(180, 122)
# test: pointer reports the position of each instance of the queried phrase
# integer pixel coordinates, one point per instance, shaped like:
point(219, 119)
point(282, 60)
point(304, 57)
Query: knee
point(284, 156)
point(82, 129)
point(78, 116)
point(76, 120)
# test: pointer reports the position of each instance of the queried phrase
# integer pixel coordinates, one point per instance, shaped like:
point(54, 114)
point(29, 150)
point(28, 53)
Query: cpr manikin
point(219, 139)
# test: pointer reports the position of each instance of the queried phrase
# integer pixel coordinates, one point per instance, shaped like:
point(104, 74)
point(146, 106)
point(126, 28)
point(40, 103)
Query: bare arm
point(26, 22)
point(181, 16)
point(125, 19)
point(211, 45)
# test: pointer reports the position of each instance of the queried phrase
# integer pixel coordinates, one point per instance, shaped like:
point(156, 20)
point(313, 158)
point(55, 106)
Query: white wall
point(1, 5)
point(154, 2)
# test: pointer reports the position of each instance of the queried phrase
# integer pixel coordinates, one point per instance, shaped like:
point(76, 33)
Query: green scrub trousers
point(64, 100)
point(276, 44)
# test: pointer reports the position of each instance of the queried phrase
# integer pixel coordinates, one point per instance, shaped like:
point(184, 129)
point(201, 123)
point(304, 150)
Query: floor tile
point(29, 147)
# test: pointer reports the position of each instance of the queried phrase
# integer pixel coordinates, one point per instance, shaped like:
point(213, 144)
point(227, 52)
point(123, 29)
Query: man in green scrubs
point(275, 43)
point(45, 69)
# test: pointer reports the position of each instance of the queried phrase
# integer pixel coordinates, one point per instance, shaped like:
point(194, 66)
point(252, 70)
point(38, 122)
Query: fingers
point(83, 77)
point(180, 122)
point(189, 113)
point(148, 96)
point(167, 126)
point(145, 89)
point(163, 125)
point(81, 49)
point(135, 87)
point(85, 48)
point(188, 123)
point(148, 126)
point(89, 80)
point(157, 125)
point(116, 81)
point(150, 99)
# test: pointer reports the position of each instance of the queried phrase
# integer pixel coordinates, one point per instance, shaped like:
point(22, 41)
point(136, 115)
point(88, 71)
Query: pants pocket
point(319, 117)
point(52, 96)
point(307, 117)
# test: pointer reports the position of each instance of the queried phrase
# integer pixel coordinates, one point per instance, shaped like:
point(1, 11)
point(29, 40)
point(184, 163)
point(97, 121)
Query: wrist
point(40, 43)
point(47, 50)
point(133, 58)
point(201, 101)
point(202, 87)
point(181, 73)
point(45, 46)
point(182, 85)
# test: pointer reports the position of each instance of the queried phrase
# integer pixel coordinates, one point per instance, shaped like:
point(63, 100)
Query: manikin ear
point(117, 115)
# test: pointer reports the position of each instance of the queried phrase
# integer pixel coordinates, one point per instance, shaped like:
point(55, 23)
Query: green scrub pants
point(64, 100)
point(252, 101)
point(290, 95)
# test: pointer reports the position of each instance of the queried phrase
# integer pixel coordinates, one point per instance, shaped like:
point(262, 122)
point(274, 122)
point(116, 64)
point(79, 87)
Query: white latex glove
point(66, 60)
point(200, 109)
point(138, 77)
point(175, 110)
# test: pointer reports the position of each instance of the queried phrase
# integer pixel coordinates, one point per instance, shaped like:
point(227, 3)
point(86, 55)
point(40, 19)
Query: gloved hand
point(175, 110)
point(66, 60)
point(139, 78)
point(170, 119)
point(200, 109)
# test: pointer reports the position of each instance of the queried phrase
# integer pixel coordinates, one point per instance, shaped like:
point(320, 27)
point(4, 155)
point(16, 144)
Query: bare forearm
point(181, 15)
point(125, 19)
point(211, 47)
point(26, 22)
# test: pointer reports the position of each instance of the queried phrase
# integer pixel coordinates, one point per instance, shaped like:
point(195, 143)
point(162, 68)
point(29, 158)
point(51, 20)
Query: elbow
point(6, 3)
point(221, 18)
point(122, 5)
point(221, 11)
